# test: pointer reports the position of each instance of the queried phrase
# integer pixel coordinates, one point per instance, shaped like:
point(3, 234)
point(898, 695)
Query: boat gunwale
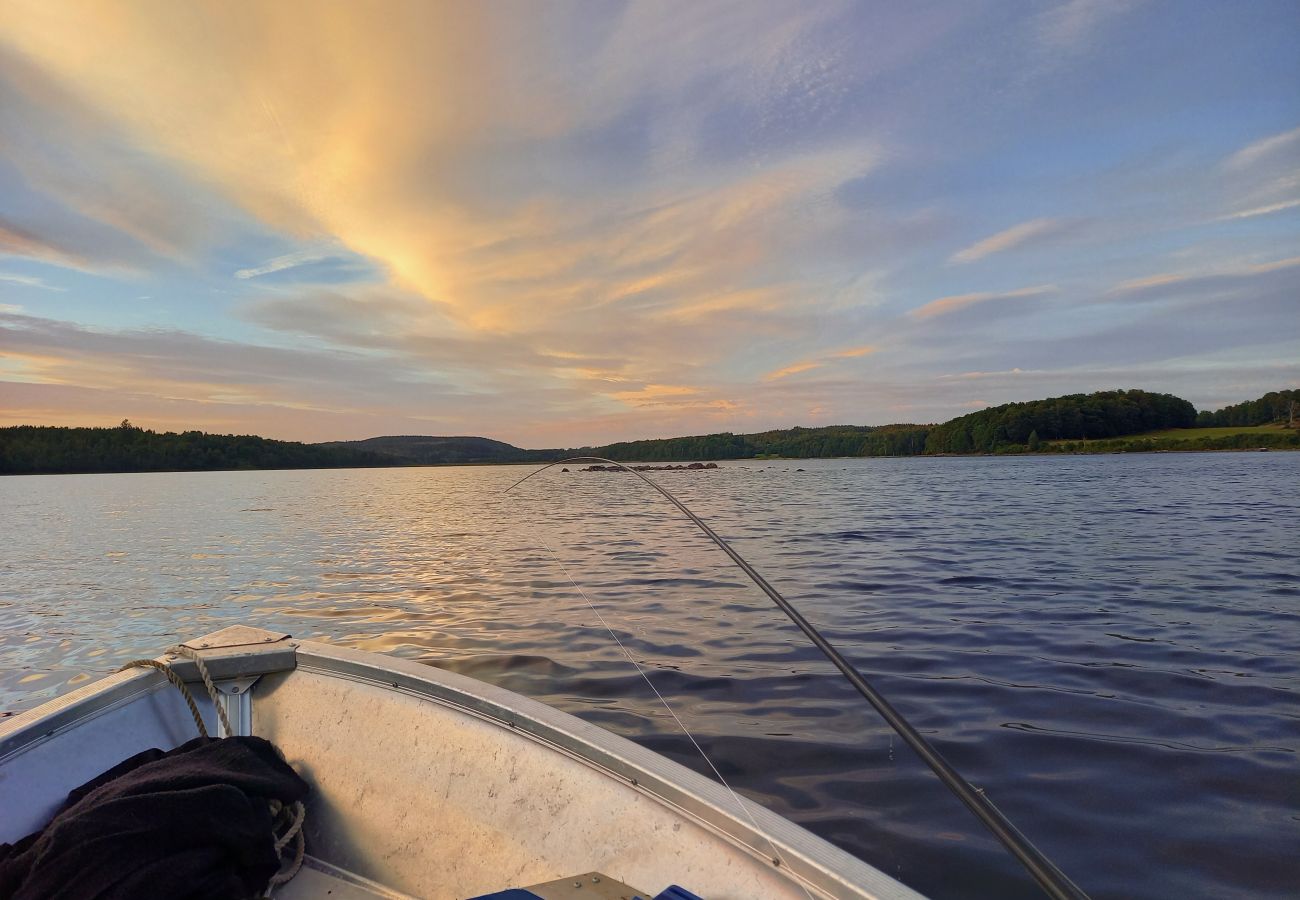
point(29, 728)
point(32, 727)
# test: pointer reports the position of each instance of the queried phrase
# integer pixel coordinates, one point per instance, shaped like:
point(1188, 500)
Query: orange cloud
point(818, 362)
point(945, 305)
point(793, 369)
point(1239, 269)
point(1006, 240)
point(853, 352)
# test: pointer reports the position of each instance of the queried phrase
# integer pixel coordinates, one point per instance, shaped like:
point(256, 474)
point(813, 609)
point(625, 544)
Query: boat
point(426, 783)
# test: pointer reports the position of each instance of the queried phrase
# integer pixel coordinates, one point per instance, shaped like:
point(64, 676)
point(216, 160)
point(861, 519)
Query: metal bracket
point(237, 685)
point(236, 695)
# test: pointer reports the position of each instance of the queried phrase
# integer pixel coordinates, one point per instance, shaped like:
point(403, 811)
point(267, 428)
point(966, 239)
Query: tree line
point(31, 449)
point(1012, 427)
point(1104, 414)
point(1275, 406)
point(1105, 421)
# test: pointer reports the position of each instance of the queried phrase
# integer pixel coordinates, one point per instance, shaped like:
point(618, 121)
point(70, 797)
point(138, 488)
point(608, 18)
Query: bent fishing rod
point(1053, 881)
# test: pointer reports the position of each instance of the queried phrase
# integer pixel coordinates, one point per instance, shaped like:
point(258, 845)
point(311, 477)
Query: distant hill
point(427, 450)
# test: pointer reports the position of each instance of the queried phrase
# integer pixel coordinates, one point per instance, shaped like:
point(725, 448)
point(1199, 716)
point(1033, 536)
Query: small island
point(692, 467)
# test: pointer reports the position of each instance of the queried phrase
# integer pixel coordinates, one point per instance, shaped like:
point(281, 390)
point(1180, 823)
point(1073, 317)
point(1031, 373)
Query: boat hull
point(437, 785)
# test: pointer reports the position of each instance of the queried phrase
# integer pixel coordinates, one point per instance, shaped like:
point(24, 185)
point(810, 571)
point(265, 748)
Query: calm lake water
point(1107, 645)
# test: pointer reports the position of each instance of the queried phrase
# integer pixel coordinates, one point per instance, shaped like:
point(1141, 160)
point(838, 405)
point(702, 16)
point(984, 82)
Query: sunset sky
point(558, 224)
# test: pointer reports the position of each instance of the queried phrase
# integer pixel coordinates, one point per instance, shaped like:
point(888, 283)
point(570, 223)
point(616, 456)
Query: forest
point(1275, 406)
point(1105, 414)
point(31, 449)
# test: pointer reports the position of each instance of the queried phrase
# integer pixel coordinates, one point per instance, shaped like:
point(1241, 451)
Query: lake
point(1107, 645)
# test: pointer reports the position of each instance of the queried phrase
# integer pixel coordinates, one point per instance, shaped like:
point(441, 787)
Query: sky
point(560, 224)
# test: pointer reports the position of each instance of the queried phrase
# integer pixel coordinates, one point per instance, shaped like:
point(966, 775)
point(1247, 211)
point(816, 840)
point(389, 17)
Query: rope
point(294, 815)
point(291, 816)
point(175, 680)
point(186, 652)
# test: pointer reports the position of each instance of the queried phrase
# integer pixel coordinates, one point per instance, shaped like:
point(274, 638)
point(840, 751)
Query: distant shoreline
point(676, 468)
point(1103, 422)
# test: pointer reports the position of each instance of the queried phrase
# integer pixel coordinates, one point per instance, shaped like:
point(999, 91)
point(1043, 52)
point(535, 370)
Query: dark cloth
point(193, 823)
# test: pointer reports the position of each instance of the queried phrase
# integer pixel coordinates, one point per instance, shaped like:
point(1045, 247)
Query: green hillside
point(427, 450)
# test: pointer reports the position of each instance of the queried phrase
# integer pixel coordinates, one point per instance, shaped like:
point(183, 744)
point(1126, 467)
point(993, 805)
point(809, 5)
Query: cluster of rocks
point(668, 468)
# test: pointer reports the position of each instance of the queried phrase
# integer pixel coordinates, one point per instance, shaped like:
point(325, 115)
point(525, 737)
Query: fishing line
point(776, 852)
point(1053, 881)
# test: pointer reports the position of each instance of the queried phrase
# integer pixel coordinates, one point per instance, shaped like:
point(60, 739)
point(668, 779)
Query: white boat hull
point(432, 784)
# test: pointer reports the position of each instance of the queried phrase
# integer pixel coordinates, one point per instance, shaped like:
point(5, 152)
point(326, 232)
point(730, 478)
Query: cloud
point(1263, 149)
point(1070, 26)
point(281, 263)
point(1223, 277)
point(28, 281)
point(793, 369)
point(979, 376)
point(947, 305)
point(321, 393)
point(333, 144)
point(1261, 210)
point(73, 242)
point(1015, 236)
point(15, 241)
point(674, 396)
point(818, 362)
point(83, 177)
point(853, 352)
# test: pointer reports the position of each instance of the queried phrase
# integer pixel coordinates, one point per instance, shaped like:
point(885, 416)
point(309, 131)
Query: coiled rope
point(286, 820)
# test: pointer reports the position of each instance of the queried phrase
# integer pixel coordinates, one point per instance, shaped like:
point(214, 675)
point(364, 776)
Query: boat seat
point(588, 886)
point(320, 879)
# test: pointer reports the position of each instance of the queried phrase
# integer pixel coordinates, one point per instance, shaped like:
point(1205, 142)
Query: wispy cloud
point(853, 352)
point(1071, 25)
point(1261, 210)
point(818, 362)
point(979, 376)
point(793, 369)
point(1203, 276)
point(946, 305)
point(29, 281)
point(281, 263)
point(675, 396)
point(1015, 236)
point(1263, 149)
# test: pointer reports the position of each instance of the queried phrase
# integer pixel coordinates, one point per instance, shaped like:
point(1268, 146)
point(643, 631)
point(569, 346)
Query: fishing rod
point(1054, 882)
